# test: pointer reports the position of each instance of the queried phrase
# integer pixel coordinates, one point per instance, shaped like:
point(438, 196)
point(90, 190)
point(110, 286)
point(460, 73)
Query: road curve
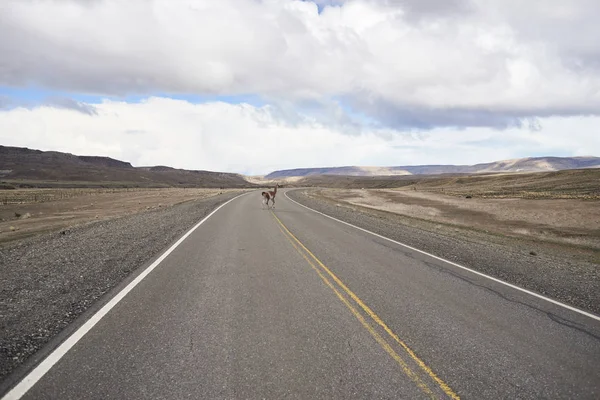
point(287, 303)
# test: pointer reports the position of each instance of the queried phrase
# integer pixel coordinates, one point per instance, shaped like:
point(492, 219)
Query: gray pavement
point(238, 311)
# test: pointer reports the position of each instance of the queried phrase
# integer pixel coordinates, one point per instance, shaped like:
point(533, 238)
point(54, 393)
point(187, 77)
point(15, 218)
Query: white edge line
point(38, 372)
point(577, 310)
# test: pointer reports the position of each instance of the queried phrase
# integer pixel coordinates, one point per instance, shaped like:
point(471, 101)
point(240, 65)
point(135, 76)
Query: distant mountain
point(51, 168)
point(533, 164)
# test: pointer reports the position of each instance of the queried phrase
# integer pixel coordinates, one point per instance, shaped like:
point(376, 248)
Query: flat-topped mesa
point(35, 168)
point(531, 164)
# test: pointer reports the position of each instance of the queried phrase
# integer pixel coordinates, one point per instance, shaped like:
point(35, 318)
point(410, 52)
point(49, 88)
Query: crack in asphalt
point(552, 316)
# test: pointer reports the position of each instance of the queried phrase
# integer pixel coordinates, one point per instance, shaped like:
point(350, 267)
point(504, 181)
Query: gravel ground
point(47, 281)
point(544, 268)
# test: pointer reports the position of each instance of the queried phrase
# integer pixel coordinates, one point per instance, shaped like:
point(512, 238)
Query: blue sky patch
point(32, 96)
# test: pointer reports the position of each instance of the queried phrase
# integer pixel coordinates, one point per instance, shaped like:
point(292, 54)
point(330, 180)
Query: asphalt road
point(290, 304)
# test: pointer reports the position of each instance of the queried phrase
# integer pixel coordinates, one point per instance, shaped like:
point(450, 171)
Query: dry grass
point(32, 196)
point(573, 184)
point(570, 184)
point(557, 220)
point(28, 212)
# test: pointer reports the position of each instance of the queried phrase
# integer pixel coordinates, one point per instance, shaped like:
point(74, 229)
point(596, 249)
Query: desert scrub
point(31, 196)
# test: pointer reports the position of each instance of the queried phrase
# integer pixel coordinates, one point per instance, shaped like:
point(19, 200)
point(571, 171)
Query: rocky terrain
point(22, 167)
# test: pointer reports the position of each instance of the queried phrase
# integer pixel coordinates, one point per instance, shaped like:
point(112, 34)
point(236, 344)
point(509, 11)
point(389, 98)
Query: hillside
point(574, 183)
point(26, 167)
point(534, 164)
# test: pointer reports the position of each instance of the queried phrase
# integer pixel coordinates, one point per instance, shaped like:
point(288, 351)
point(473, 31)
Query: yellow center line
point(443, 385)
point(385, 345)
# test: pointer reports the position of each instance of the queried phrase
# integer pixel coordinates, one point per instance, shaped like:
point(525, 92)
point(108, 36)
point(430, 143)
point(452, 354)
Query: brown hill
point(26, 167)
point(533, 164)
point(574, 183)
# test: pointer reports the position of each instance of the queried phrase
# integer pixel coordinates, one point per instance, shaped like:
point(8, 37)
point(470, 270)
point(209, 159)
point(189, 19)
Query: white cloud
point(255, 140)
point(357, 82)
point(423, 63)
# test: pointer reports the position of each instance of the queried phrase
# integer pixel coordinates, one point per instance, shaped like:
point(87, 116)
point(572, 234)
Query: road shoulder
point(548, 272)
point(48, 281)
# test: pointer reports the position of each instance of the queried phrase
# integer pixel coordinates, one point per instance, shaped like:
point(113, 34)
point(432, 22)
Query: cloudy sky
point(251, 86)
